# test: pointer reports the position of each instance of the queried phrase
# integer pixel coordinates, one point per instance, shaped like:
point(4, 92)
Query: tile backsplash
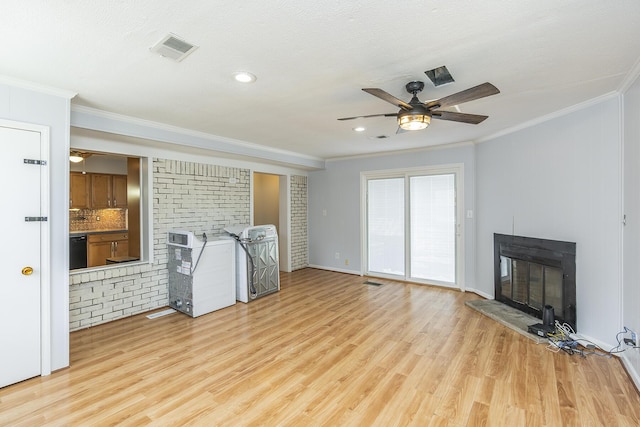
point(97, 219)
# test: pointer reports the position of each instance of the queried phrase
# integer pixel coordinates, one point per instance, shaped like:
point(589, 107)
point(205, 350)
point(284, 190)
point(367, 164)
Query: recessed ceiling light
point(244, 77)
point(359, 129)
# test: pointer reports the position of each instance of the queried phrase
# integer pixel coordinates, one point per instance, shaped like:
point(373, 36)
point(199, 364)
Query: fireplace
point(531, 273)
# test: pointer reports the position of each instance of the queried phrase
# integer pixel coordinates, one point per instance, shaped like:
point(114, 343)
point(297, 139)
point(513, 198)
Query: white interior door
point(20, 289)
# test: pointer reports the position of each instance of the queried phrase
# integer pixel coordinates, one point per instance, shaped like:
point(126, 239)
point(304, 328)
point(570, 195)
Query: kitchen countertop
point(80, 233)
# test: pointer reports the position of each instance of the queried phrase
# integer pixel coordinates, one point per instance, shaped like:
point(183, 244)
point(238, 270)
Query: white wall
point(337, 190)
point(98, 163)
point(559, 180)
point(631, 234)
point(52, 110)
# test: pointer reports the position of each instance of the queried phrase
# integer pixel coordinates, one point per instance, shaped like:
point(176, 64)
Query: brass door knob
point(27, 271)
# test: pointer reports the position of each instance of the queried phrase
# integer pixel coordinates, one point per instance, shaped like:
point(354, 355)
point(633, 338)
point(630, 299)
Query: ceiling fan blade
point(388, 97)
point(454, 116)
point(370, 115)
point(476, 92)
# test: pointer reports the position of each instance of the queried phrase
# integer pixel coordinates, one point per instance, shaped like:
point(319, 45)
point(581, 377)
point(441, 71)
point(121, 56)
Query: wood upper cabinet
point(79, 187)
point(101, 191)
point(119, 191)
point(108, 191)
point(106, 245)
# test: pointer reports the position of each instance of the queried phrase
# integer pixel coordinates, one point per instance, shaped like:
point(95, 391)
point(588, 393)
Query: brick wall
point(299, 246)
point(186, 196)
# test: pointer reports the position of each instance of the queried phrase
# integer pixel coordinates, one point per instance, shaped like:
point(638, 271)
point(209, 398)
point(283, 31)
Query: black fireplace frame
point(552, 253)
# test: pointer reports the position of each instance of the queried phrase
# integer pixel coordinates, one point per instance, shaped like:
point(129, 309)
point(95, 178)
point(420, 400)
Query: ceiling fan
point(76, 156)
point(416, 115)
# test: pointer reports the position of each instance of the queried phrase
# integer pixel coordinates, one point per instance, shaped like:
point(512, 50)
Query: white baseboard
point(482, 294)
point(337, 270)
point(631, 369)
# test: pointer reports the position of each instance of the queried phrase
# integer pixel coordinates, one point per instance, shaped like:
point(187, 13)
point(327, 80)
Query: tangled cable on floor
point(565, 338)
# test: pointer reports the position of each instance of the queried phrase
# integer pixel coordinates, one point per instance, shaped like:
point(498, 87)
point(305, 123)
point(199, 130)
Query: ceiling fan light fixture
point(75, 157)
point(414, 121)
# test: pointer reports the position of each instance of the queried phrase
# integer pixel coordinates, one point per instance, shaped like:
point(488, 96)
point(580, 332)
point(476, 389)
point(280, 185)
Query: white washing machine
point(257, 255)
point(202, 273)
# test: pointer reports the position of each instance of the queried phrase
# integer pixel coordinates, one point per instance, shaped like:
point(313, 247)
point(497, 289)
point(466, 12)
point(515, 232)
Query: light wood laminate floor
point(326, 350)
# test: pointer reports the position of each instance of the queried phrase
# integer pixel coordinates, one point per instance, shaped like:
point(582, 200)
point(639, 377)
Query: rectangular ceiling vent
point(173, 47)
point(439, 76)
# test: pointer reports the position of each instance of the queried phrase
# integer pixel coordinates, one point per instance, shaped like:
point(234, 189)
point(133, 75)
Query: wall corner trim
point(47, 90)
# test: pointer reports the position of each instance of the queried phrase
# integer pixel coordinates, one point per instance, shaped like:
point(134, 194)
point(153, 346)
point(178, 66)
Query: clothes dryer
point(202, 273)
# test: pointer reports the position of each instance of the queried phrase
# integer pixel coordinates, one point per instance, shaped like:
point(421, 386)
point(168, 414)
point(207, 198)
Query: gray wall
point(631, 279)
point(337, 190)
point(559, 180)
point(53, 111)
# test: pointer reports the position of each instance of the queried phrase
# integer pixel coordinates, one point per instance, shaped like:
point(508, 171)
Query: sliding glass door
point(432, 235)
point(386, 226)
point(412, 225)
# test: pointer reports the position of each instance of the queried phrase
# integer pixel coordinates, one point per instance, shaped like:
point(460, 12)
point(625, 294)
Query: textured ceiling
point(313, 57)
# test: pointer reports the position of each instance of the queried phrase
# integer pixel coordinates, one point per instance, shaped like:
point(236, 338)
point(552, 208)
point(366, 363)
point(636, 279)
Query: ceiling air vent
point(173, 47)
point(439, 76)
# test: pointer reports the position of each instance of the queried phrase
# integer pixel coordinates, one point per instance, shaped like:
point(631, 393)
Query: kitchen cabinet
point(79, 190)
point(119, 183)
point(108, 191)
point(106, 245)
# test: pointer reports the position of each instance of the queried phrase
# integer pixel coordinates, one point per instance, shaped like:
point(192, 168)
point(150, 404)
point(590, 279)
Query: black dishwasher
point(78, 252)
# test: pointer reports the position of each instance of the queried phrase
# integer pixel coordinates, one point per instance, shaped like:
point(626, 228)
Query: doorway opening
point(270, 206)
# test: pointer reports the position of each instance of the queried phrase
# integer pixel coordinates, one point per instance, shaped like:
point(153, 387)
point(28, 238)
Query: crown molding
point(99, 120)
point(630, 78)
point(48, 90)
point(401, 152)
point(551, 116)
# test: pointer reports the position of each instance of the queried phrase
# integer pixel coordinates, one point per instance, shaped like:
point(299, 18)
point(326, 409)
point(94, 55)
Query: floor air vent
point(369, 282)
point(173, 47)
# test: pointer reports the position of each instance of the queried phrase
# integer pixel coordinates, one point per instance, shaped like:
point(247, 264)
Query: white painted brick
point(186, 195)
point(100, 312)
point(112, 316)
point(90, 308)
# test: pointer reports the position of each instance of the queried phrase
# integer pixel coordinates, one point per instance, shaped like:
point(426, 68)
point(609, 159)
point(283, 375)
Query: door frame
point(284, 213)
point(45, 257)
point(455, 168)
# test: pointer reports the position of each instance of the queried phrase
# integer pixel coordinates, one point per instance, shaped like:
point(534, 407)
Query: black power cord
point(204, 245)
point(252, 289)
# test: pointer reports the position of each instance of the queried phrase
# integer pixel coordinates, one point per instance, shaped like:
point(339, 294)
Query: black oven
point(77, 251)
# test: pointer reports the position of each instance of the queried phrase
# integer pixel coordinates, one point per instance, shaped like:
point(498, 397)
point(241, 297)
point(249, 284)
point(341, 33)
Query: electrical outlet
point(633, 341)
point(346, 261)
point(337, 255)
